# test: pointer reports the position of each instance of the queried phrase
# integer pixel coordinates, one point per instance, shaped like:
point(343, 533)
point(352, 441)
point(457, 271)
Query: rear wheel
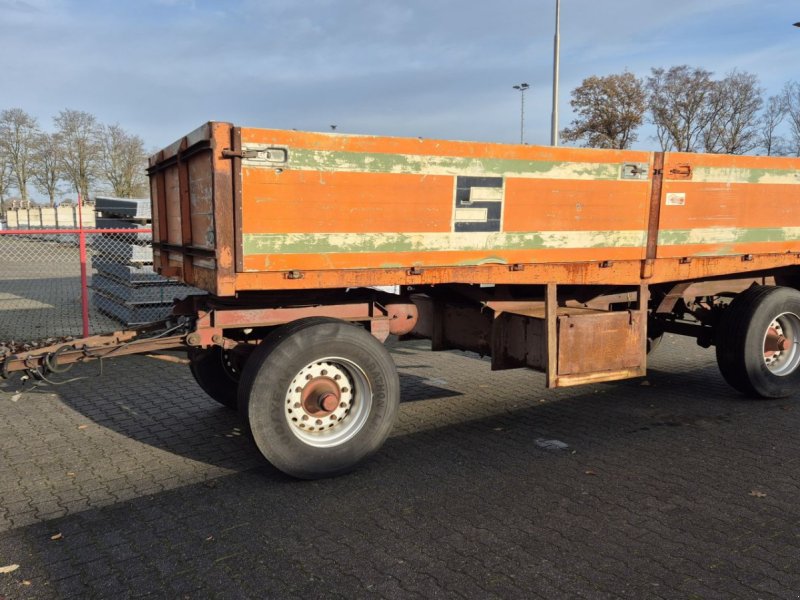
point(217, 374)
point(321, 395)
point(758, 342)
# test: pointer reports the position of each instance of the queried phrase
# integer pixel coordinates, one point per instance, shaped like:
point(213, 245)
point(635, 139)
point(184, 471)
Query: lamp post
point(522, 87)
point(556, 61)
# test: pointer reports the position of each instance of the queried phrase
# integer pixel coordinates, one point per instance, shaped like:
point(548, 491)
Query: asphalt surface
point(135, 484)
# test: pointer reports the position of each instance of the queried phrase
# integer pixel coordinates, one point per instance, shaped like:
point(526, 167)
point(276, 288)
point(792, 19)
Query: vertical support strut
point(551, 333)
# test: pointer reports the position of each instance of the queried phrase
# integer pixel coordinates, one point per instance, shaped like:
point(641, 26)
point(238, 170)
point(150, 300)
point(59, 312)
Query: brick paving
point(490, 487)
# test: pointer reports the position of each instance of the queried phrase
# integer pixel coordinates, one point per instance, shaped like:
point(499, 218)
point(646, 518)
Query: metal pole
point(84, 274)
point(522, 87)
point(556, 61)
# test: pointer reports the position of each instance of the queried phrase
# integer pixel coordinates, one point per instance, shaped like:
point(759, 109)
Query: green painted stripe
point(736, 175)
point(326, 243)
point(727, 235)
point(418, 164)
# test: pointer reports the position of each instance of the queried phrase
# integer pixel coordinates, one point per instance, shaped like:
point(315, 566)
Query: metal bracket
point(682, 171)
point(634, 171)
point(228, 153)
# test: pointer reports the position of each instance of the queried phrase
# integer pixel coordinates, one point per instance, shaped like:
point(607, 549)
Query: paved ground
point(136, 484)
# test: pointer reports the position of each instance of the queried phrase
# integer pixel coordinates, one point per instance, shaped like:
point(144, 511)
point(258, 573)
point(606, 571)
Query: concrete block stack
point(125, 285)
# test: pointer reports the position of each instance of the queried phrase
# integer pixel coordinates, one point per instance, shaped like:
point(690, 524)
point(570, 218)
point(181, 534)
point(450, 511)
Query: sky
point(428, 68)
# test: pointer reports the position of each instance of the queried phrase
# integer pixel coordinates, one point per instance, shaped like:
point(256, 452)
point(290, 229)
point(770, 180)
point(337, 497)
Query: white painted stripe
point(472, 215)
point(486, 194)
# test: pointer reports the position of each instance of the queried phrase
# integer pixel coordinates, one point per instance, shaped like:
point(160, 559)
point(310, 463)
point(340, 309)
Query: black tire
point(743, 359)
point(215, 375)
point(283, 386)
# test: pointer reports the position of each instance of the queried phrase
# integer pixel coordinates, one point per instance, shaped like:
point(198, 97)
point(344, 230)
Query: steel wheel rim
point(780, 344)
point(308, 406)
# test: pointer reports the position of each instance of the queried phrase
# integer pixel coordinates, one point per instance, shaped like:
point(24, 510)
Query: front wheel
point(320, 397)
point(758, 342)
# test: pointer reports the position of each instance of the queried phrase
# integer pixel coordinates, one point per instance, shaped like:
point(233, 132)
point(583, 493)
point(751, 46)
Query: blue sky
point(430, 68)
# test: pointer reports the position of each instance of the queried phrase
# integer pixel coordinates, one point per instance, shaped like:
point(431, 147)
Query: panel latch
point(682, 171)
point(228, 153)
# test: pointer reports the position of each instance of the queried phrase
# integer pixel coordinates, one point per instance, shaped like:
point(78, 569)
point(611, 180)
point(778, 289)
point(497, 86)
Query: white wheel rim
point(310, 410)
point(780, 344)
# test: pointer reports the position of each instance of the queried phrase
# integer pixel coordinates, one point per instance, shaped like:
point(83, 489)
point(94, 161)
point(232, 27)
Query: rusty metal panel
point(225, 223)
point(719, 205)
point(201, 194)
point(518, 341)
point(605, 341)
point(172, 191)
point(464, 328)
point(316, 202)
point(299, 210)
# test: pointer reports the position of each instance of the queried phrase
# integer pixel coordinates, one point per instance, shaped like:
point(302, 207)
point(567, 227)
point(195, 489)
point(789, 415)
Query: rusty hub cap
point(781, 354)
point(319, 400)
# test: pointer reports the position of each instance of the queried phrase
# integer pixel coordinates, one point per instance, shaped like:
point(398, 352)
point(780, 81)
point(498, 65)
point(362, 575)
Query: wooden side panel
point(716, 205)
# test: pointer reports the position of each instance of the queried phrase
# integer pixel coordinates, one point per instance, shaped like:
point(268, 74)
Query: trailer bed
point(239, 209)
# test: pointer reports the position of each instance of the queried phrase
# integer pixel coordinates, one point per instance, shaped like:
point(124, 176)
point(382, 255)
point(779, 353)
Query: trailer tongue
point(571, 262)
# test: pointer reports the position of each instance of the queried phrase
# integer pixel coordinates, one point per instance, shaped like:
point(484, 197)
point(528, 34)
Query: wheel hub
point(781, 355)
point(319, 398)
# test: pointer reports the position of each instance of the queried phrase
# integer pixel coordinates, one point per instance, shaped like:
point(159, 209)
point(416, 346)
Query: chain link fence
point(57, 283)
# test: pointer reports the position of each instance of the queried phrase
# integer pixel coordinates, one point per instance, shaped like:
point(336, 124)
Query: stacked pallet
point(125, 285)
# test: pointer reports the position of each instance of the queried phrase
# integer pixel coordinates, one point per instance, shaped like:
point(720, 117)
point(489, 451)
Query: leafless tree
point(791, 96)
point(5, 179)
point(771, 119)
point(47, 169)
point(18, 135)
point(735, 104)
point(123, 162)
point(79, 136)
point(679, 106)
point(610, 109)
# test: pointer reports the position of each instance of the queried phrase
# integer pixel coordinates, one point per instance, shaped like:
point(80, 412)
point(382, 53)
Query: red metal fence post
point(84, 277)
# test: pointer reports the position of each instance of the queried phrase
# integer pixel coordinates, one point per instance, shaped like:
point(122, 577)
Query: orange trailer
point(569, 261)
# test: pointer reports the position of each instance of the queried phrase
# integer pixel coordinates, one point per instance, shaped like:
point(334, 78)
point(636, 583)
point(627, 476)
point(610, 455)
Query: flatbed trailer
point(572, 262)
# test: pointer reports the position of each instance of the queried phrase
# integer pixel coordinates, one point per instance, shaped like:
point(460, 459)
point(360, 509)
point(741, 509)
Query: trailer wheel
point(321, 395)
point(758, 342)
point(216, 374)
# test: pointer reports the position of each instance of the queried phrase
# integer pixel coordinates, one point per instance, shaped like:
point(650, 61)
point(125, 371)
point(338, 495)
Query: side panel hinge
point(228, 153)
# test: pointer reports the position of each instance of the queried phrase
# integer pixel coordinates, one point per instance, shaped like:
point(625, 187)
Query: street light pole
point(556, 61)
point(522, 87)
